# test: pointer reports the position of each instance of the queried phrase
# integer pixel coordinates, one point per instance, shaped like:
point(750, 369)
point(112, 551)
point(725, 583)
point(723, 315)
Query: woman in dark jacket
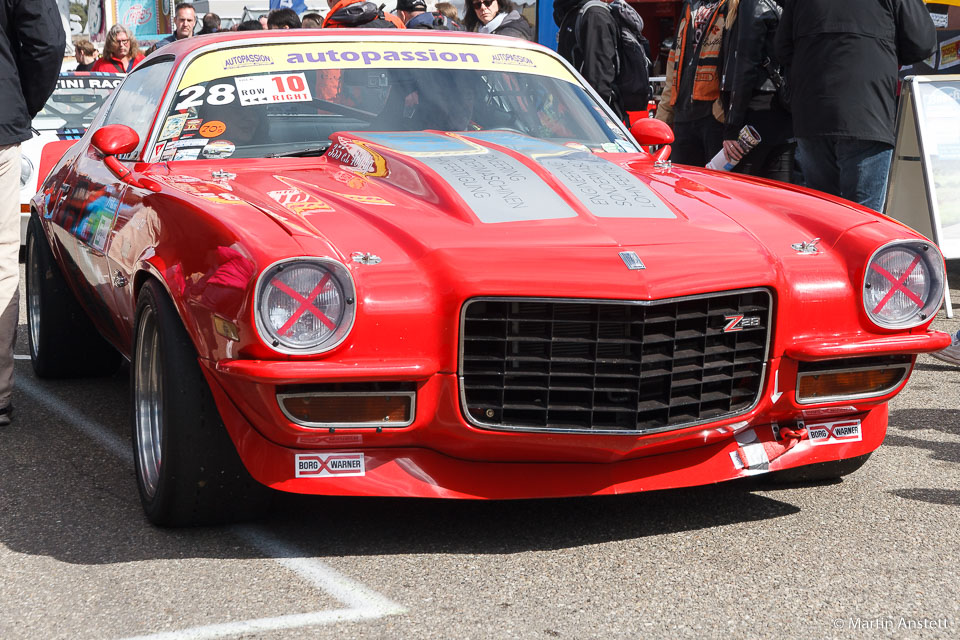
point(749, 85)
point(500, 17)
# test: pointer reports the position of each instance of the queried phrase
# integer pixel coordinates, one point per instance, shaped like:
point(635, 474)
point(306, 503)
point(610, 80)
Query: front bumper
point(695, 457)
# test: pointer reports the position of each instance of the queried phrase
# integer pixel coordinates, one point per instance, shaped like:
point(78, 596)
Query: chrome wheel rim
point(33, 295)
point(148, 401)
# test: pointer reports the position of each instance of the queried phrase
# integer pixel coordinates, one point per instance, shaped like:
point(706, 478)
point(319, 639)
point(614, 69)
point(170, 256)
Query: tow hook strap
point(792, 437)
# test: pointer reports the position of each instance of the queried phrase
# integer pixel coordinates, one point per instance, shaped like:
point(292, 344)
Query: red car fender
point(50, 156)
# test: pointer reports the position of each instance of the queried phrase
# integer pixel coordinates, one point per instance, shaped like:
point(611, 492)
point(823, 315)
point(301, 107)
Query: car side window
point(137, 99)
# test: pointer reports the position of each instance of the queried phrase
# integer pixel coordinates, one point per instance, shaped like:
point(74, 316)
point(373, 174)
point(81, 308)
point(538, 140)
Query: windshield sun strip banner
point(247, 60)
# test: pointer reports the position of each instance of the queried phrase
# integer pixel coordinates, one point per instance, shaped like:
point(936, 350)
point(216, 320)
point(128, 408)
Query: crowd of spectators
point(729, 70)
point(815, 80)
point(121, 52)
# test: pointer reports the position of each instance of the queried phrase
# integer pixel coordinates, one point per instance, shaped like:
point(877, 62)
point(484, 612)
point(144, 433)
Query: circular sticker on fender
point(212, 129)
point(217, 149)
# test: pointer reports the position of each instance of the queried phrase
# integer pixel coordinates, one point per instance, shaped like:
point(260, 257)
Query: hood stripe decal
point(605, 188)
point(500, 188)
point(497, 188)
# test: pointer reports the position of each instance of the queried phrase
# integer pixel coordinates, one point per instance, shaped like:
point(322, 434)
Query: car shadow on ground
point(78, 504)
point(372, 526)
point(67, 496)
point(933, 496)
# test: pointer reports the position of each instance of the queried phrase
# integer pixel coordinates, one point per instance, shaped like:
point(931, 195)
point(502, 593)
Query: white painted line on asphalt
point(17, 356)
point(261, 624)
point(93, 430)
point(353, 594)
point(362, 603)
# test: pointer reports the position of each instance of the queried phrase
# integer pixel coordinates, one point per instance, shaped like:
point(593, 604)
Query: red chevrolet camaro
point(372, 263)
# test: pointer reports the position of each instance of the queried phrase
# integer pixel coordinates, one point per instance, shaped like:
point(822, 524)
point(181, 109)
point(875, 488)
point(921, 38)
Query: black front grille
point(612, 366)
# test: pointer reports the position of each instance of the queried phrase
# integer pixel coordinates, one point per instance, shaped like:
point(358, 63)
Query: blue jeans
point(847, 167)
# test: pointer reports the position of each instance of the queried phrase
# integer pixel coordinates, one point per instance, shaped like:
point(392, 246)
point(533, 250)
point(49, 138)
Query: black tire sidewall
point(68, 345)
point(201, 479)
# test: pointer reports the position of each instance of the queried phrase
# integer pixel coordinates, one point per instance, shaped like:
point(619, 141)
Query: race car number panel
point(290, 87)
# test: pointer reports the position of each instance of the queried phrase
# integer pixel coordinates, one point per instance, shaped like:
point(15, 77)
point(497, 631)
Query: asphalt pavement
point(875, 555)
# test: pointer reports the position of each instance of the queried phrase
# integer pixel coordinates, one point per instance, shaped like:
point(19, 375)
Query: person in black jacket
point(595, 56)
point(842, 60)
point(749, 91)
point(31, 52)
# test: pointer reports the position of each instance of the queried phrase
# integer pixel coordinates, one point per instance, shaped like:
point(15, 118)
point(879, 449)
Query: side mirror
point(652, 132)
point(113, 140)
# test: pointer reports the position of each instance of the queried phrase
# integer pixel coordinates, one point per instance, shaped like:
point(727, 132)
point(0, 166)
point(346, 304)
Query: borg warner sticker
point(272, 89)
point(329, 465)
point(835, 432)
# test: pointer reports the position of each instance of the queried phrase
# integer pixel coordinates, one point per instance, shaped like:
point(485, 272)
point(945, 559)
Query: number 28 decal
point(253, 90)
point(216, 94)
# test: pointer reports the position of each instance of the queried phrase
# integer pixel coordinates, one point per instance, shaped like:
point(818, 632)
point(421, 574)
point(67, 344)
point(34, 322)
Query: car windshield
point(283, 100)
point(75, 101)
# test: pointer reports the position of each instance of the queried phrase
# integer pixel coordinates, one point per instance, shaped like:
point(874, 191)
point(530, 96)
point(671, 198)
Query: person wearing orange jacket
point(690, 102)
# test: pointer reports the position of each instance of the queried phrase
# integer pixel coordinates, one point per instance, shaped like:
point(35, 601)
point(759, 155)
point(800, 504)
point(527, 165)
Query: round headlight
point(903, 284)
point(26, 170)
point(305, 305)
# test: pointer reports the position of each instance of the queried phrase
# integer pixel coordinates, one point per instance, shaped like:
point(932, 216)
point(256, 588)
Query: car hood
point(505, 206)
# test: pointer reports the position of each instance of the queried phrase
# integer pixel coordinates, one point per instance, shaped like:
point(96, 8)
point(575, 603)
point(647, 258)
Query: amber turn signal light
point(348, 409)
point(842, 385)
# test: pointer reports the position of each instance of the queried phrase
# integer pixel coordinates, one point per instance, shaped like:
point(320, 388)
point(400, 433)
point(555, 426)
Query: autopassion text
point(370, 57)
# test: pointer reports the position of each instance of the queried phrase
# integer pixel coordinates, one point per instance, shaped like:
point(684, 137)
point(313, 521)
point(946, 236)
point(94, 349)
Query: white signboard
point(924, 187)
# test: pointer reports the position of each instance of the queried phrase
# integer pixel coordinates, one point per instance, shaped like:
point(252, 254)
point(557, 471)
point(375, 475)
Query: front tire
point(188, 470)
point(63, 341)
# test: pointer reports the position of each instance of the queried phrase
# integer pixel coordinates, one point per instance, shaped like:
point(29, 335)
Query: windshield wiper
point(300, 153)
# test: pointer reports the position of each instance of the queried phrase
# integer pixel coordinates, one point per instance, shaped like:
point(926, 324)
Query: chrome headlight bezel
point(875, 290)
point(26, 170)
point(344, 284)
